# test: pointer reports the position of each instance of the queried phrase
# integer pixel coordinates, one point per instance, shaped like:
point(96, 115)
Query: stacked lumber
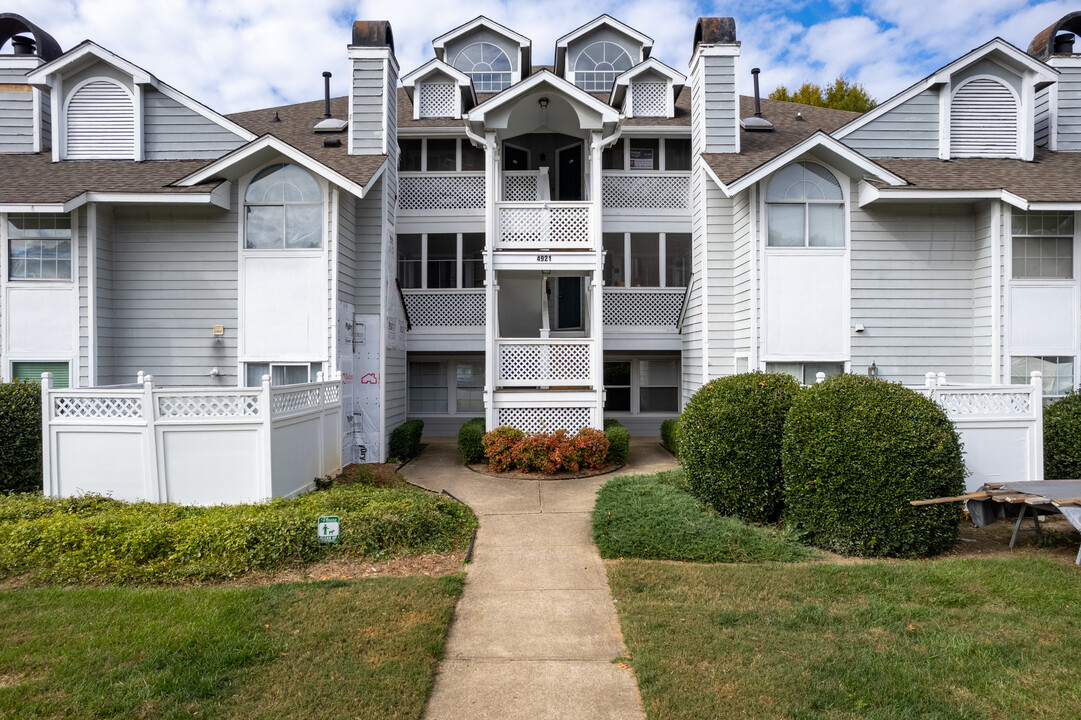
point(995, 492)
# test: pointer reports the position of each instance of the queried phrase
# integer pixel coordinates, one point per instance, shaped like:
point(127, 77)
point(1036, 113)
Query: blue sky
point(248, 54)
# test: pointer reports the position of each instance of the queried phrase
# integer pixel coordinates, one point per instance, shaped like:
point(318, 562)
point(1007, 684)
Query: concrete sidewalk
point(535, 632)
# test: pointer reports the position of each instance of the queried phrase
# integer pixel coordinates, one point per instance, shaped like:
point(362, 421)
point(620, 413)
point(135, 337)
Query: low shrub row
point(670, 435)
point(20, 437)
point(838, 461)
point(471, 441)
point(405, 440)
point(97, 539)
point(619, 441)
point(508, 448)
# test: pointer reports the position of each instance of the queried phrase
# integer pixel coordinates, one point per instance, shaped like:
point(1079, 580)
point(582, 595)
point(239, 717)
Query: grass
point(100, 540)
point(363, 649)
point(653, 516)
point(946, 639)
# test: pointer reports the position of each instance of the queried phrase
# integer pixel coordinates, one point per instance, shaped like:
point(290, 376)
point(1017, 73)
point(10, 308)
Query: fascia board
point(432, 66)
point(218, 196)
point(440, 42)
point(610, 21)
point(543, 77)
point(870, 194)
point(728, 192)
point(41, 75)
point(32, 207)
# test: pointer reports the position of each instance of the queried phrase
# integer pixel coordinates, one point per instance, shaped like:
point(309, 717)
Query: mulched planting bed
point(482, 469)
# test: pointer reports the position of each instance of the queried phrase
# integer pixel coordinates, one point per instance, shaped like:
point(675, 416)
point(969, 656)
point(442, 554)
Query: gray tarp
point(985, 512)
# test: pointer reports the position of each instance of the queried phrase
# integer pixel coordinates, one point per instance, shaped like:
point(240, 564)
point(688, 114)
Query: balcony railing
point(445, 308)
point(533, 363)
point(641, 307)
point(526, 186)
point(646, 191)
point(544, 225)
point(422, 191)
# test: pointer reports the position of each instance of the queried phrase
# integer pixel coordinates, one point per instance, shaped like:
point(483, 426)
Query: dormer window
point(983, 119)
point(599, 64)
point(487, 65)
point(100, 122)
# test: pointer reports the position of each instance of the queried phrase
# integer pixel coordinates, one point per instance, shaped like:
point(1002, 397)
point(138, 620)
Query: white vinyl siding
point(983, 120)
point(100, 123)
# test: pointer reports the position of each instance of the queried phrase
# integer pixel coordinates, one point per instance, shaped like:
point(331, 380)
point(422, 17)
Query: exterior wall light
point(872, 369)
point(543, 102)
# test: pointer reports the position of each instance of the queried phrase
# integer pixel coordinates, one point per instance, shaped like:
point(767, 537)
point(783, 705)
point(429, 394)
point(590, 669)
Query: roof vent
point(328, 124)
point(1064, 44)
point(22, 45)
point(756, 123)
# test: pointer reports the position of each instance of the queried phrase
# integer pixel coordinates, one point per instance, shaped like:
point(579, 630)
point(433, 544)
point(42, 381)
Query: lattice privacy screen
point(648, 308)
point(563, 362)
point(437, 100)
point(649, 99)
point(98, 407)
point(660, 192)
point(520, 188)
point(417, 192)
point(295, 400)
point(544, 226)
point(533, 420)
point(190, 406)
point(992, 404)
point(443, 309)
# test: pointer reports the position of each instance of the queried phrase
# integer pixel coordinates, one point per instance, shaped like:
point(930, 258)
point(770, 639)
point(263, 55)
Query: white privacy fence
point(197, 446)
point(1001, 427)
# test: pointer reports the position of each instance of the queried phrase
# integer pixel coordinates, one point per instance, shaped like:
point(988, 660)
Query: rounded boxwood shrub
point(405, 439)
point(730, 443)
point(856, 450)
point(670, 435)
point(20, 437)
point(1062, 438)
point(619, 441)
point(470, 443)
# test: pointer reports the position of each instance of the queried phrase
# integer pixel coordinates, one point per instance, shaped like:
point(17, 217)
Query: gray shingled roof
point(1050, 177)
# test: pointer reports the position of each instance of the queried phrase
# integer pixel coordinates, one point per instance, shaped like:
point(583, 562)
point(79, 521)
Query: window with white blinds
point(983, 120)
point(101, 123)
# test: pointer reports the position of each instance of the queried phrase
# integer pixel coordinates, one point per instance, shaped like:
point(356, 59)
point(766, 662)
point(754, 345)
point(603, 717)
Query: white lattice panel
point(985, 403)
point(283, 402)
point(190, 406)
point(544, 226)
point(533, 420)
point(332, 393)
point(651, 192)
point(544, 363)
point(101, 407)
point(441, 192)
point(521, 188)
point(437, 100)
point(442, 309)
point(646, 307)
point(649, 99)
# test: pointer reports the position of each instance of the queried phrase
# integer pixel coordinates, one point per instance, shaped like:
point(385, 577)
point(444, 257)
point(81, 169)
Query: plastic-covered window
point(283, 210)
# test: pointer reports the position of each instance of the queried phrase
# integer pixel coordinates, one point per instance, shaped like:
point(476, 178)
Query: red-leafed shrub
point(591, 447)
point(548, 453)
point(499, 446)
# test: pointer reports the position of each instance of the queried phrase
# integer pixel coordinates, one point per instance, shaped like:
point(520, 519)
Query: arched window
point(805, 208)
point(283, 209)
point(100, 122)
point(598, 65)
point(983, 119)
point(486, 65)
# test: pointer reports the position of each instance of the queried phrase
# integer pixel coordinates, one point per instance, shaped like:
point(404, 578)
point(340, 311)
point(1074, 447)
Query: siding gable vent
point(983, 120)
point(438, 99)
point(100, 123)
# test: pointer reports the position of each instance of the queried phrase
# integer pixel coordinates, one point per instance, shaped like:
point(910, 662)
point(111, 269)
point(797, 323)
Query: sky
point(250, 54)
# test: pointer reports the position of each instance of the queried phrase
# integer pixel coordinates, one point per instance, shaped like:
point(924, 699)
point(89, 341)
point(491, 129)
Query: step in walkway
point(535, 631)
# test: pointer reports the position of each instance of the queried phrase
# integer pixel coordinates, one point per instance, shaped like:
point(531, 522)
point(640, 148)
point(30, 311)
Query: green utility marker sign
point(328, 529)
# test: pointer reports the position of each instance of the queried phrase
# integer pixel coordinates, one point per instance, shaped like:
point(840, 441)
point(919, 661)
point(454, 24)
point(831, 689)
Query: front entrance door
point(568, 303)
point(569, 168)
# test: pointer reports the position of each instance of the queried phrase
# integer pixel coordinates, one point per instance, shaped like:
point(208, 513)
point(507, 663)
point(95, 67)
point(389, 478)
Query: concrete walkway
point(535, 632)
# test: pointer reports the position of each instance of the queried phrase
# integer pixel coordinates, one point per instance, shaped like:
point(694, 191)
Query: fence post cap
point(148, 380)
point(820, 377)
point(930, 379)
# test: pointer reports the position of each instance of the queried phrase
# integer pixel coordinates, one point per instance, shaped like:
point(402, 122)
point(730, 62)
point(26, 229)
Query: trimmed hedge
point(619, 441)
point(1062, 438)
point(508, 448)
point(405, 439)
point(97, 539)
point(670, 435)
point(470, 437)
point(20, 437)
point(730, 443)
point(856, 450)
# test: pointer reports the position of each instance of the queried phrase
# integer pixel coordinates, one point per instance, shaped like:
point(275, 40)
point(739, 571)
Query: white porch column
point(596, 325)
point(491, 331)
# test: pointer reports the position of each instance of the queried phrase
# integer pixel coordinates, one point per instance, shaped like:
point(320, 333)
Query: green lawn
point(945, 639)
point(652, 516)
point(363, 649)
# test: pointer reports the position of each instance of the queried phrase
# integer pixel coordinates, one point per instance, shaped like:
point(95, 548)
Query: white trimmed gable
point(648, 90)
point(100, 119)
point(592, 56)
point(493, 55)
point(437, 90)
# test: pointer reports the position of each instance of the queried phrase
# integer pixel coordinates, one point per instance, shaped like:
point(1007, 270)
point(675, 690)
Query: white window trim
point(136, 98)
point(662, 257)
point(452, 385)
point(763, 246)
point(459, 261)
point(636, 385)
point(514, 75)
point(271, 364)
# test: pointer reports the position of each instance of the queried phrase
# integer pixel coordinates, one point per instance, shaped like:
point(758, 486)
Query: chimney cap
point(715, 31)
point(373, 33)
point(12, 25)
point(1043, 45)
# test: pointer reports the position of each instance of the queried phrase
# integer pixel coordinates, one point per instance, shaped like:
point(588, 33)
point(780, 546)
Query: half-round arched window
point(100, 122)
point(487, 65)
point(983, 119)
point(283, 209)
point(598, 65)
point(805, 207)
